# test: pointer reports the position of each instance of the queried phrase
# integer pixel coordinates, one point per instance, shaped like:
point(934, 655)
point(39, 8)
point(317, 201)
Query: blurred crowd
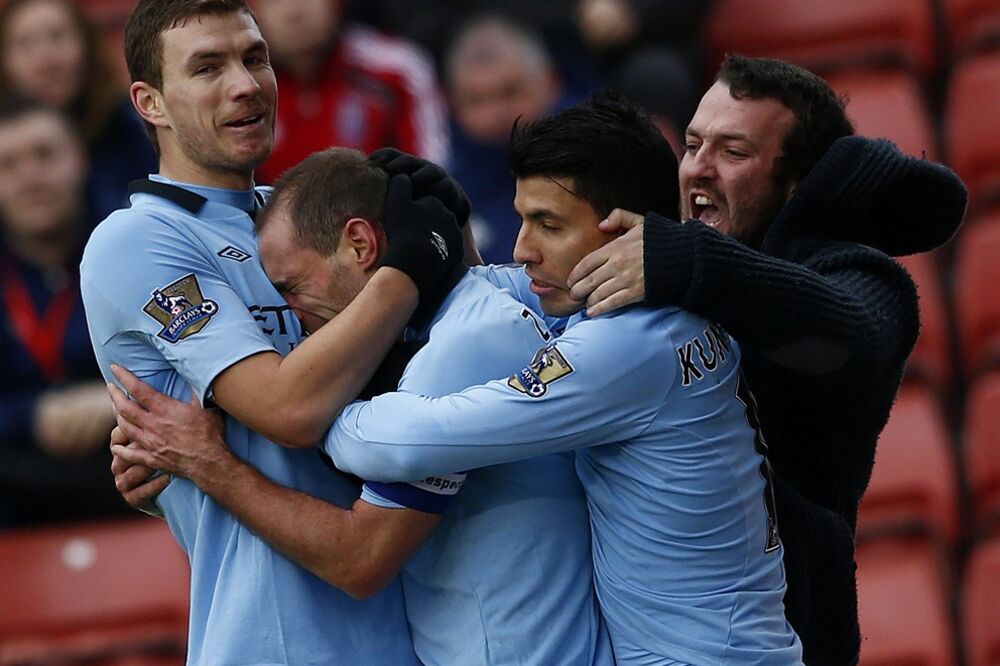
point(442, 79)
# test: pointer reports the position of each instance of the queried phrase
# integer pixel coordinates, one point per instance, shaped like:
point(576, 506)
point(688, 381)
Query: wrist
point(216, 474)
point(398, 284)
point(667, 256)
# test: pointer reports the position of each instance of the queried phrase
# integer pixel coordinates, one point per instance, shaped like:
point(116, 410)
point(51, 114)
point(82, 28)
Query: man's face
point(43, 53)
point(727, 174)
point(218, 96)
point(41, 175)
point(558, 229)
point(317, 287)
point(297, 27)
point(487, 96)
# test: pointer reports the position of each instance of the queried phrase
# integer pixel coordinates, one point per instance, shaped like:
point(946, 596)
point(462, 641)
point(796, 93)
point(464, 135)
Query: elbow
point(298, 428)
point(363, 580)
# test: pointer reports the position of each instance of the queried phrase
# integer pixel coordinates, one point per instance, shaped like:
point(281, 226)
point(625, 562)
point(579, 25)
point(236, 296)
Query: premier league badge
point(548, 366)
point(181, 309)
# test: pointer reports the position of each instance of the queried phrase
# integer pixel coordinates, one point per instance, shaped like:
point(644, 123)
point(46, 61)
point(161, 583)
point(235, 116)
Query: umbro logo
point(439, 243)
point(234, 253)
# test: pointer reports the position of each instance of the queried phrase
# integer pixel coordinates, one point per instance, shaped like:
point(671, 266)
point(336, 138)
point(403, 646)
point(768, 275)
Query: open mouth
point(246, 121)
point(704, 208)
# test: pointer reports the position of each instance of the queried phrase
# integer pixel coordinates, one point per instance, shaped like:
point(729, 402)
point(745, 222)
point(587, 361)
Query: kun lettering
point(712, 345)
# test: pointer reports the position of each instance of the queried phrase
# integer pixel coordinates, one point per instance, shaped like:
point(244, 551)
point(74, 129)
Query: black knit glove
point(428, 180)
point(423, 240)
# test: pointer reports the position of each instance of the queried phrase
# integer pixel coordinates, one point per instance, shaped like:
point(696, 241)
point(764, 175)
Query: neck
point(176, 166)
point(193, 175)
point(45, 251)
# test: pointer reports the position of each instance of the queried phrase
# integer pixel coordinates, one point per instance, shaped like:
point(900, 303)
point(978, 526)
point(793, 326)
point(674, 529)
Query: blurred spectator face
point(493, 81)
point(42, 169)
point(297, 27)
point(44, 52)
point(728, 172)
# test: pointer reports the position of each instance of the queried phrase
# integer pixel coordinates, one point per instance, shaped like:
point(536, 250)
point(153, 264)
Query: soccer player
point(173, 289)
point(686, 556)
point(506, 577)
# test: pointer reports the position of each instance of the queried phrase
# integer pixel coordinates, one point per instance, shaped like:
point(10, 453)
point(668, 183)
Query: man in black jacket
point(791, 222)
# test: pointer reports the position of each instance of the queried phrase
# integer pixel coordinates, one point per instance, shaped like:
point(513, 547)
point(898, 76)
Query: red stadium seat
point(112, 593)
point(903, 591)
point(823, 35)
point(977, 274)
point(931, 359)
point(981, 605)
point(982, 452)
point(972, 134)
point(888, 104)
point(914, 486)
point(972, 24)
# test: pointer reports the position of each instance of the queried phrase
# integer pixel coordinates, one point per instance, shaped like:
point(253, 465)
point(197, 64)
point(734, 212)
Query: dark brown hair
point(324, 191)
point(820, 118)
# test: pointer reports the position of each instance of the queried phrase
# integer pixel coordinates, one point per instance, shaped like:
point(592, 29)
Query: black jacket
point(826, 320)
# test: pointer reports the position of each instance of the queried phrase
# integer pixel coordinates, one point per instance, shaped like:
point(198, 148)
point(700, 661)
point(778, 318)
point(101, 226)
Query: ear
point(363, 241)
point(148, 103)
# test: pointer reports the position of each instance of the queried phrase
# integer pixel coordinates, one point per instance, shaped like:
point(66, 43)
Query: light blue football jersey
point(177, 294)
point(686, 556)
point(506, 578)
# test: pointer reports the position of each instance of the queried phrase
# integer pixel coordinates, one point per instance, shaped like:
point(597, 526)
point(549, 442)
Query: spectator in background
point(495, 72)
point(345, 85)
point(650, 49)
point(55, 417)
point(52, 53)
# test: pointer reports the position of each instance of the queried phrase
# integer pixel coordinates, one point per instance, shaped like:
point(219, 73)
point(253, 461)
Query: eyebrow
point(197, 56)
point(542, 213)
point(727, 136)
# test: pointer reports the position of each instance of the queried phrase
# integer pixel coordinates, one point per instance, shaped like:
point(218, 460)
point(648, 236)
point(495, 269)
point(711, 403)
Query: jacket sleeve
point(844, 306)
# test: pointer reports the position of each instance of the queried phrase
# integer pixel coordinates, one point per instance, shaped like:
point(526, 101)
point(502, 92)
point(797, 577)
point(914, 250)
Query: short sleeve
point(148, 282)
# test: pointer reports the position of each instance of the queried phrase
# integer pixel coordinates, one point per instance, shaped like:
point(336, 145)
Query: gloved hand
point(423, 239)
point(428, 180)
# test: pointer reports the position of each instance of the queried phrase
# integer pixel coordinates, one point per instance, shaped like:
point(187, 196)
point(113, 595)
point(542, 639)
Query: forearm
point(294, 399)
point(813, 318)
point(325, 539)
point(402, 437)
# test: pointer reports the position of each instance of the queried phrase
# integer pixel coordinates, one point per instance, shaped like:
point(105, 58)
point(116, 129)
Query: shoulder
point(483, 314)
point(651, 324)
point(142, 224)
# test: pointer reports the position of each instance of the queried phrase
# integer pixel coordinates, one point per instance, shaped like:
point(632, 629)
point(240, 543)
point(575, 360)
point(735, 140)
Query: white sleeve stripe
point(376, 52)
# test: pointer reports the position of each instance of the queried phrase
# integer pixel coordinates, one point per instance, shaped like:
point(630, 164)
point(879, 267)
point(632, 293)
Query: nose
point(698, 164)
point(524, 248)
point(243, 83)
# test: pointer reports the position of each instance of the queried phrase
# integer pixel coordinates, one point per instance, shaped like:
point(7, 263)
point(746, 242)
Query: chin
point(560, 308)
